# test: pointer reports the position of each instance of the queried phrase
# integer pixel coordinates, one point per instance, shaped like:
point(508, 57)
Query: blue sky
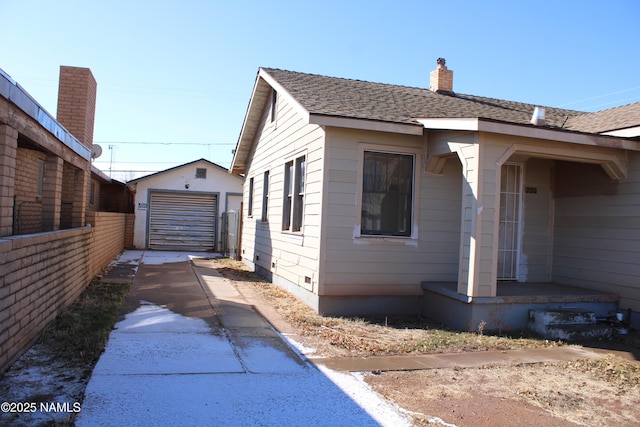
point(175, 77)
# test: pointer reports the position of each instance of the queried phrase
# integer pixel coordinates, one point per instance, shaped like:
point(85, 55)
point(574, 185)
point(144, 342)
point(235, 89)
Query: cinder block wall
point(42, 274)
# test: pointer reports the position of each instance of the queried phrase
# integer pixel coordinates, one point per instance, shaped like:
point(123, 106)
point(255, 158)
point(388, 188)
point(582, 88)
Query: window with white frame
point(250, 202)
point(293, 203)
point(387, 194)
point(265, 196)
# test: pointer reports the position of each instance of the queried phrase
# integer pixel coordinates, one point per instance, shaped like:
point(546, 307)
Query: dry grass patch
point(344, 336)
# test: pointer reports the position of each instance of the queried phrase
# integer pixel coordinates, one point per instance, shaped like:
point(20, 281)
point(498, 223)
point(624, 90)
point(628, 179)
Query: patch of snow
point(439, 421)
point(298, 347)
point(128, 257)
point(189, 378)
point(168, 257)
point(152, 318)
point(354, 386)
point(36, 379)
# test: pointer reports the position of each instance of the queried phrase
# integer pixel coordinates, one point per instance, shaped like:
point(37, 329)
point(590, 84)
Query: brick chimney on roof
point(441, 79)
point(77, 102)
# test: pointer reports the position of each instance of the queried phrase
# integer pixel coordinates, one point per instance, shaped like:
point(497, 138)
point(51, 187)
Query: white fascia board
point(625, 133)
point(479, 125)
point(373, 125)
point(470, 124)
point(283, 92)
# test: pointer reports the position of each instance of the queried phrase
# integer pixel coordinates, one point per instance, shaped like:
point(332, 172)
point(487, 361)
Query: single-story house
point(375, 199)
point(180, 208)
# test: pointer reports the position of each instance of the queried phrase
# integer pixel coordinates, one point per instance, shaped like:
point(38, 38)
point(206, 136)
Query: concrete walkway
point(189, 350)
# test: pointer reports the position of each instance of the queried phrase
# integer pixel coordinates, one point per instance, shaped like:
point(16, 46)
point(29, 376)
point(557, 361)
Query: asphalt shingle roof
point(607, 120)
point(358, 99)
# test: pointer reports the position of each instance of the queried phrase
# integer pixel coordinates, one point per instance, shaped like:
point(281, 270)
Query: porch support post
point(480, 204)
point(82, 181)
point(8, 155)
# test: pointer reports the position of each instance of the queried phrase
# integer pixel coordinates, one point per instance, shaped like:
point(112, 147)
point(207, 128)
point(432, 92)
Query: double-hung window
point(250, 201)
point(387, 194)
point(265, 196)
point(293, 203)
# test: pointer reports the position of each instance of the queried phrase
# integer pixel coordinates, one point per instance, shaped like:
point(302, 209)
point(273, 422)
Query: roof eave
point(366, 124)
point(529, 131)
point(260, 95)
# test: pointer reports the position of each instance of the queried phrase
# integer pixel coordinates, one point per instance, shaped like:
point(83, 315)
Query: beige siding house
point(365, 198)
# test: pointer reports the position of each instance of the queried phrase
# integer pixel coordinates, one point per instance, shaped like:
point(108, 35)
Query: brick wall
point(26, 178)
point(94, 197)
point(42, 274)
point(128, 231)
point(107, 239)
point(77, 102)
point(28, 203)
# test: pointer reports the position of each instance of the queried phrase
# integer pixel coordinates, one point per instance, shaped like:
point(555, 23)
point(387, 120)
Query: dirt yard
point(590, 392)
point(582, 393)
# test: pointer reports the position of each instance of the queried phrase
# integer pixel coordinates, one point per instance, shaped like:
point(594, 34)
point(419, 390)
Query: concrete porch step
point(568, 324)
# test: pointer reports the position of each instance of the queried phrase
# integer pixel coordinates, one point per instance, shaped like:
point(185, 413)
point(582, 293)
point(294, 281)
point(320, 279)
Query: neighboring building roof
point(222, 169)
point(617, 118)
point(98, 174)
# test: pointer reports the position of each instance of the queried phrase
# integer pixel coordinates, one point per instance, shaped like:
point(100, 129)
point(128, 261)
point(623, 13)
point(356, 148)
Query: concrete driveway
point(189, 350)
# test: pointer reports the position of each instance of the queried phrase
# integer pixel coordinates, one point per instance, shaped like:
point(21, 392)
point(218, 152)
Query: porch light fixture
point(537, 119)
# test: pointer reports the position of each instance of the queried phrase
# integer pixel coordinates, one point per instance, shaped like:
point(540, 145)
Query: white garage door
point(182, 221)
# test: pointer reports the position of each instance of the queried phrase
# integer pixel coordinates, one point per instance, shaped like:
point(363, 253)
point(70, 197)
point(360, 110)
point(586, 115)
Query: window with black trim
point(293, 203)
point(387, 194)
point(250, 203)
point(265, 196)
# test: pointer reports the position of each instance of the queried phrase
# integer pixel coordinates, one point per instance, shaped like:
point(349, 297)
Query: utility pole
point(112, 149)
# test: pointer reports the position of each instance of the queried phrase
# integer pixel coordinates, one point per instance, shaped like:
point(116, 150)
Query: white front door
point(509, 227)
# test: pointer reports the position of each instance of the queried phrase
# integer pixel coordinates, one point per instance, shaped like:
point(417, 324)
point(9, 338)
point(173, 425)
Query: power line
point(134, 162)
point(601, 96)
point(164, 143)
point(618, 103)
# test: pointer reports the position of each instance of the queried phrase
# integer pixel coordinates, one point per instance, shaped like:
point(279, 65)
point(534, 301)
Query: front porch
point(509, 309)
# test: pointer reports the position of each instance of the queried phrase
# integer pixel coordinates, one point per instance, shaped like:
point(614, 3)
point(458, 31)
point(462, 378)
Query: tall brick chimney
point(441, 79)
point(77, 102)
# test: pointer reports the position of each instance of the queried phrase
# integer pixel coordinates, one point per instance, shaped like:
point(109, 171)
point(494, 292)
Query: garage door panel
point(179, 221)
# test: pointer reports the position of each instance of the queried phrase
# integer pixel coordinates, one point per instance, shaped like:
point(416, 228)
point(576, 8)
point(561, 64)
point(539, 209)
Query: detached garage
point(180, 208)
point(182, 221)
